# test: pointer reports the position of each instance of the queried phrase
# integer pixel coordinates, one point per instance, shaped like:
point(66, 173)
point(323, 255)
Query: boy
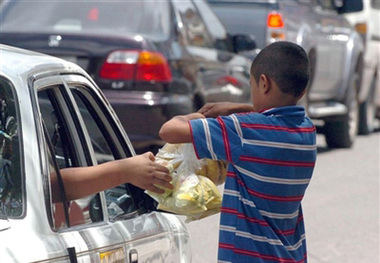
point(271, 150)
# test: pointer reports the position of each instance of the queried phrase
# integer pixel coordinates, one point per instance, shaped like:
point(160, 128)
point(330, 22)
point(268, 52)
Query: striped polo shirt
point(271, 159)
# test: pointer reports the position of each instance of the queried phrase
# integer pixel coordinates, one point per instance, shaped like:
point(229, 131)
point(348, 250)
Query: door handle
point(72, 255)
point(133, 256)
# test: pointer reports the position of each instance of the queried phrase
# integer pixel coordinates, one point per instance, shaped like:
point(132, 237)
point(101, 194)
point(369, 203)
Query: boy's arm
point(216, 109)
point(177, 129)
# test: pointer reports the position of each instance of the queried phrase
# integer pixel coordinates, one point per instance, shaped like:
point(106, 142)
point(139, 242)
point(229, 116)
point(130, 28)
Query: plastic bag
point(194, 192)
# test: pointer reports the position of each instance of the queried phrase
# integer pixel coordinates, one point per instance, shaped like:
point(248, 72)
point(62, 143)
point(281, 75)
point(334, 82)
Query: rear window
point(375, 4)
point(11, 190)
point(82, 17)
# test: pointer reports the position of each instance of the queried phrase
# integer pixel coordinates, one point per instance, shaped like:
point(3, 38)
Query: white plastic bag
point(195, 194)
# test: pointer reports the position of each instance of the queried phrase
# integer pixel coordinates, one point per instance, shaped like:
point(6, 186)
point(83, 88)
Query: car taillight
point(275, 25)
point(229, 80)
point(275, 20)
point(136, 65)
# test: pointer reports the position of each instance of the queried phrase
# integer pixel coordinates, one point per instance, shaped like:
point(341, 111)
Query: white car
point(367, 23)
point(52, 115)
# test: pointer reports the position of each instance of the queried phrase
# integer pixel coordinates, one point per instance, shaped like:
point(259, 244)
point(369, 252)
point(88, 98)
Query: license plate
point(113, 256)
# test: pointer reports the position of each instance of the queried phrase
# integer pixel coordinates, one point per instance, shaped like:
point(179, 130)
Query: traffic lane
point(341, 205)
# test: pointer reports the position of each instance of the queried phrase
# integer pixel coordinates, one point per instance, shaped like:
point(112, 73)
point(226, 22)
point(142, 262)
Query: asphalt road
point(341, 208)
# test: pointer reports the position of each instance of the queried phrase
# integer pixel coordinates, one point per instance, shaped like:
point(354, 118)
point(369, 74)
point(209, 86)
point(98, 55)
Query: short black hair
point(286, 63)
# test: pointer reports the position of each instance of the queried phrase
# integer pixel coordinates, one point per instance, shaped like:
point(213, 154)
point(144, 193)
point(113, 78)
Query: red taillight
point(229, 80)
point(275, 20)
point(136, 65)
point(153, 66)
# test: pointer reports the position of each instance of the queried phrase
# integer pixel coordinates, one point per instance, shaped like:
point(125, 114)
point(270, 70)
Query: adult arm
point(139, 170)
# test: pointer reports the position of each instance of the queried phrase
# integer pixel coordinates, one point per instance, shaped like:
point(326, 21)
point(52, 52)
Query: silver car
point(52, 116)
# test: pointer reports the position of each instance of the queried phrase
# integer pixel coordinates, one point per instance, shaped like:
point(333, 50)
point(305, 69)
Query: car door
point(111, 225)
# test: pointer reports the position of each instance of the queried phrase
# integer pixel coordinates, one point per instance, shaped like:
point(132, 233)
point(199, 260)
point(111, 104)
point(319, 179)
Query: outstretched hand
point(216, 109)
point(146, 174)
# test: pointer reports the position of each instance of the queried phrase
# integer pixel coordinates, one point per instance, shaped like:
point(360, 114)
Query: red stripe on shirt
point(290, 231)
point(243, 216)
point(225, 140)
point(277, 128)
point(266, 196)
point(257, 221)
point(231, 174)
point(192, 139)
point(277, 162)
point(274, 197)
point(269, 197)
point(255, 254)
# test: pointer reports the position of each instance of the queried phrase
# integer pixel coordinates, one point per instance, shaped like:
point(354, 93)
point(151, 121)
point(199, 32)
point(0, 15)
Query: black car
point(152, 59)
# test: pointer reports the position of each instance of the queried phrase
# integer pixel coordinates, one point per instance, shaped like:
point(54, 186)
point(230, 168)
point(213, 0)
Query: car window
point(105, 146)
point(93, 16)
point(214, 26)
point(60, 134)
point(86, 112)
point(195, 30)
point(326, 4)
point(11, 186)
point(375, 4)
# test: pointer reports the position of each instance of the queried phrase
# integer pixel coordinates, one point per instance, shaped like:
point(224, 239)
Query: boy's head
point(286, 64)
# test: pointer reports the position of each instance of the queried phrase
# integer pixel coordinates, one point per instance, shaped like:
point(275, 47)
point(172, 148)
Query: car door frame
point(116, 236)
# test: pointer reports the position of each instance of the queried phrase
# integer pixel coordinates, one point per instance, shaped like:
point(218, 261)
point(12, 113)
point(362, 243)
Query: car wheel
point(341, 133)
point(368, 112)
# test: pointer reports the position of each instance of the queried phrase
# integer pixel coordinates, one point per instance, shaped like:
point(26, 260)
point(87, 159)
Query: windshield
point(86, 17)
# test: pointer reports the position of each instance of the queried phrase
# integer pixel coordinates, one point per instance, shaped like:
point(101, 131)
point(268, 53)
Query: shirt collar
point(287, 110)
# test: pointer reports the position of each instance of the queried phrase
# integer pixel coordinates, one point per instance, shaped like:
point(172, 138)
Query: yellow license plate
point(113, 256)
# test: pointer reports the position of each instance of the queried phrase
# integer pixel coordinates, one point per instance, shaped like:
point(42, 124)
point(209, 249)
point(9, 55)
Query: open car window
point(81, 132)
point(68, 151)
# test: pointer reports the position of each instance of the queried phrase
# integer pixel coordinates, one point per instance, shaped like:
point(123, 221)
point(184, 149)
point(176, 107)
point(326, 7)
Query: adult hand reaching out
point(139, 170)
point(146, 174)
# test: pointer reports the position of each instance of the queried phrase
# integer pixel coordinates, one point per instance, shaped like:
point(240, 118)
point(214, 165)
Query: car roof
point(19, 64)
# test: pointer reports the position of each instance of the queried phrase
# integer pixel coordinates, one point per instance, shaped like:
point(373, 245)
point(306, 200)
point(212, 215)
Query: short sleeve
point(217, 139)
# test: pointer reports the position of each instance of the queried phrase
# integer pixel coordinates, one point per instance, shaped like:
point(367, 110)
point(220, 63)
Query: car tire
point(341, 133)
point(368, 112)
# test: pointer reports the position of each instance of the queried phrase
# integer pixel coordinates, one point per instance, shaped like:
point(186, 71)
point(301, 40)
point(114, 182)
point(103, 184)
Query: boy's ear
point(264, 83)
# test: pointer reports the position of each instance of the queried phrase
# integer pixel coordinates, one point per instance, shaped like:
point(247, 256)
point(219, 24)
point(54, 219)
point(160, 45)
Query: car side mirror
point(243, 42)
point(348, 6)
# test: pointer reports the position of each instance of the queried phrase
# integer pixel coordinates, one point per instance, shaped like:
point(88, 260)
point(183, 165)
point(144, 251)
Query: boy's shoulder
point(296, 113)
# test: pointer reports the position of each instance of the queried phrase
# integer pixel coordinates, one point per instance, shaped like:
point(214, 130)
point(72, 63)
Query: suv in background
point(335, 50)
point(367, 24)
point(152, 59)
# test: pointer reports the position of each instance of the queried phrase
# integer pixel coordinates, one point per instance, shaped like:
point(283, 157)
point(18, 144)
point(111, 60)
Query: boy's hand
point(215, 109)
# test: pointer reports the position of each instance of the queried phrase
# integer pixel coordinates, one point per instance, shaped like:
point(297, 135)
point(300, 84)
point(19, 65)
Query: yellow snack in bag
point(215, 170)
point(195, 194)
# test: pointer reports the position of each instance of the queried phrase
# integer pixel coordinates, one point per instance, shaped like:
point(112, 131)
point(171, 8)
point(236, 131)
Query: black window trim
point(55, 82)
